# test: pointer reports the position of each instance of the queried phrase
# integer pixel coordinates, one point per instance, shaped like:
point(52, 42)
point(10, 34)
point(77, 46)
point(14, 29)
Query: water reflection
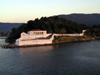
point(63, 59)
point(35, 50)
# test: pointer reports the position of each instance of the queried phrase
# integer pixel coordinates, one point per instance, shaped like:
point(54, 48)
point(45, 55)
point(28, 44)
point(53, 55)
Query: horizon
point(24, 10)
point(51, 16)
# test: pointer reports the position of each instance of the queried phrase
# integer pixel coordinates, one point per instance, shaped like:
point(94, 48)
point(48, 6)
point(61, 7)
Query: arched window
point(42, 32)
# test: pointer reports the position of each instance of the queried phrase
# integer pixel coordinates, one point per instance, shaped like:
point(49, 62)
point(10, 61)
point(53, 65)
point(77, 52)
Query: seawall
point(54, 43)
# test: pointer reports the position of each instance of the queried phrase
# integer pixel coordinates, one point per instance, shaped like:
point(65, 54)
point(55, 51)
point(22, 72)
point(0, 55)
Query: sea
point(81, 58)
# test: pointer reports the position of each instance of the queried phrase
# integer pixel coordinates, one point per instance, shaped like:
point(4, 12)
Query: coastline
point(54, 43)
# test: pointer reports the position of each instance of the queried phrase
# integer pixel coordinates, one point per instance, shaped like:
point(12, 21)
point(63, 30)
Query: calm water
point(63, 59)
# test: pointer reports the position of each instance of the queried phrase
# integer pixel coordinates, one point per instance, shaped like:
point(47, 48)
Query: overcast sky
point(24, 10)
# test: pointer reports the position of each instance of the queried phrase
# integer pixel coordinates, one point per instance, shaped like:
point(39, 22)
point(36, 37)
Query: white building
point(39, 37)
point(34, 37)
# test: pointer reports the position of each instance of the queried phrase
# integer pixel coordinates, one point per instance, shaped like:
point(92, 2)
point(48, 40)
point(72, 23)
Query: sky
point(21, 11)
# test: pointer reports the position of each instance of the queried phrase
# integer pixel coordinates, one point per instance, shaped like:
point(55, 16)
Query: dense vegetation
point(70, 38)
point(51, 24)
point(94, 31)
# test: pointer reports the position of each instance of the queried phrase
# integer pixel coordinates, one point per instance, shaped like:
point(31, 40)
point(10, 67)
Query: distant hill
point(8, 26)
point(87, 19)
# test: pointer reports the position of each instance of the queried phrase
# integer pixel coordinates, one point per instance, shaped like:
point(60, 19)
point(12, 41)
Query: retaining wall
point(26, 39)
point(34, 42)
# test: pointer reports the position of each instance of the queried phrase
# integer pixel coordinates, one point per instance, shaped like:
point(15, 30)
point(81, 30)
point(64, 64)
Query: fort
point(39, 37)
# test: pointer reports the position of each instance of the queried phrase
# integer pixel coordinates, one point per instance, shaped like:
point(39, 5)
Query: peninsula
point(40, 37)
point(51, 30)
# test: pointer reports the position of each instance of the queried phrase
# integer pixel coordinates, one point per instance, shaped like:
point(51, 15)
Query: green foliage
point(51, 24)
point(93, 31)
point(70, 38)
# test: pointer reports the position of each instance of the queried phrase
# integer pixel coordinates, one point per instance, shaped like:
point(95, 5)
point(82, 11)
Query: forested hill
point(87, 19)
point(51, 24)
point(8, 26)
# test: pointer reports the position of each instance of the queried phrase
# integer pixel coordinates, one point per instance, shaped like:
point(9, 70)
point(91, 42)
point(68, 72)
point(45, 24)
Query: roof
point(37, 30)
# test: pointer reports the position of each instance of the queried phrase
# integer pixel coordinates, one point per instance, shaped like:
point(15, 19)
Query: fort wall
point(36, 39)
point(34, 42)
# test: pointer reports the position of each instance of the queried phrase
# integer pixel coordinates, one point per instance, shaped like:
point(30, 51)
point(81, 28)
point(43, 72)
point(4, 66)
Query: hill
point(51, 24)
point(87, 19)
point(8, 26)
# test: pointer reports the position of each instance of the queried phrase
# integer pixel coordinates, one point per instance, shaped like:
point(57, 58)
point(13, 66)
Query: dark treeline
point(4, 34)
point(51, 24)
point(94, 31)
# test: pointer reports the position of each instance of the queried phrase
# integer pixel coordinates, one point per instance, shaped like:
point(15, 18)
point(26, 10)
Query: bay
point(64, 59)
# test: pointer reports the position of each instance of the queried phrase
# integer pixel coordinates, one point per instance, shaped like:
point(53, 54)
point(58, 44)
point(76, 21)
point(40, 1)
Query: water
point(64, 59)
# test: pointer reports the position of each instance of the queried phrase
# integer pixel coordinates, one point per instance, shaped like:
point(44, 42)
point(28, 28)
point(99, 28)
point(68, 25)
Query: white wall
point(68, 34)
point(37, 32)
point(35, 42)
point(26, 36)
point(27, 39)
point(81, 34)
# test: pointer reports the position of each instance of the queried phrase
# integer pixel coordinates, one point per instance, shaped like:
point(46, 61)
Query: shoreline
point(53, 43)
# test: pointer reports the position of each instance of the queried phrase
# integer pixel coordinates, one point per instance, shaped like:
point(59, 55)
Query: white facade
point(33, 37)
point(38, 37)
point(37, 32)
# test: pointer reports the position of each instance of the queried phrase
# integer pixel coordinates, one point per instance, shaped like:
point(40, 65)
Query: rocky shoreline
point(68, 41)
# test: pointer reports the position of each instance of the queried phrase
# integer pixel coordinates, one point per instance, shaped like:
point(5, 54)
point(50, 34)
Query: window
point(42, 32)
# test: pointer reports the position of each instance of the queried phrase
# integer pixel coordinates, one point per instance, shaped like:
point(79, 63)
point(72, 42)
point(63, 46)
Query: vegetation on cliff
point(51, 24)
point(93, 31)
point(71, 38)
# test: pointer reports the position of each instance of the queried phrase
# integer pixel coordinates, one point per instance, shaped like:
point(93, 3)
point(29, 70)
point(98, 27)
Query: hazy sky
point(24, 10)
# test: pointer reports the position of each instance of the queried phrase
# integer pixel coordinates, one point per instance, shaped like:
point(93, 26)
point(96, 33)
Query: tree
point(63, 31)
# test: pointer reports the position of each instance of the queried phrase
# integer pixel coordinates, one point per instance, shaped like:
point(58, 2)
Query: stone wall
point(37, 32)
point(26, 36)
point(81, 34)
point(27, 39)
point(34, 42)
point(68, 34)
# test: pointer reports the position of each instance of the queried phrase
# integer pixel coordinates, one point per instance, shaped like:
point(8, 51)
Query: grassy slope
point(70, 38)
